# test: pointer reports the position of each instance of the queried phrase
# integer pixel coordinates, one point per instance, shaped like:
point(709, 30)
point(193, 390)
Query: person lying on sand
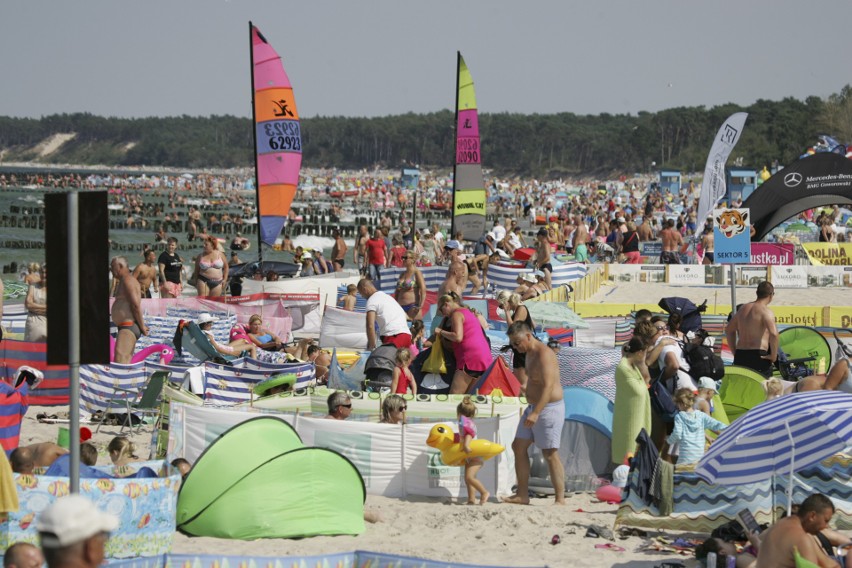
point(25, 459)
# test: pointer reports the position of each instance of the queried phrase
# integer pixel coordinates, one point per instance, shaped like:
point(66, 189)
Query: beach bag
point(435, 362)
point(703, 362)
point(662, 401)
point(791, 370)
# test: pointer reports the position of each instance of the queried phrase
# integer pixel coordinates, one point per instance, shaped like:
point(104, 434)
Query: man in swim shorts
point(542, 421)
point(752, 334)
point(126, 310)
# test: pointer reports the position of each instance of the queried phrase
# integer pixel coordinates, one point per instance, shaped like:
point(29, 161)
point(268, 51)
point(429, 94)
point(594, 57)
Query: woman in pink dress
point(471, 348)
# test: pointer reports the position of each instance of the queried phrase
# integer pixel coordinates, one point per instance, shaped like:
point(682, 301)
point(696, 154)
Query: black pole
point(254, 138)
point(455, 151)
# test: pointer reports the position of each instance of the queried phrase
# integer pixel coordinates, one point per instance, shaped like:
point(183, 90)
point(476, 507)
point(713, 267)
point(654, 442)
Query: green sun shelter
point(257, 480)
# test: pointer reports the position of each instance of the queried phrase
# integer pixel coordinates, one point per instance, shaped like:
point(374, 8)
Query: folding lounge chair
point(132, 401)
point(198, 345)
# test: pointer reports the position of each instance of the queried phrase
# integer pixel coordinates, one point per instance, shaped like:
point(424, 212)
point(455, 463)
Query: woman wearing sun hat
point(234, 348)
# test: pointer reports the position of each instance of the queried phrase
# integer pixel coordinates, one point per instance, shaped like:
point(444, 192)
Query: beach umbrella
point(555, 314)
point(780, 437)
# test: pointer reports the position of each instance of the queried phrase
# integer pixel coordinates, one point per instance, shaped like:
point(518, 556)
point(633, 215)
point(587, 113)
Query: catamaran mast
point(254, 139)
point(455, 151)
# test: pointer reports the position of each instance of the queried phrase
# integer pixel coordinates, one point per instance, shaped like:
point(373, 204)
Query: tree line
point(551, 145)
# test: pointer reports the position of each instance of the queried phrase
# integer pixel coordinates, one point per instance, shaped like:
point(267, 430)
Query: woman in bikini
point(538, 288)
point(234, 348)
point(212, 269)
point(410, 290)
point(515, 310)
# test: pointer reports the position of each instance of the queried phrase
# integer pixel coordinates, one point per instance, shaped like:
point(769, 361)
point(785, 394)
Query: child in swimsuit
point(465, 411)
point(402, 377)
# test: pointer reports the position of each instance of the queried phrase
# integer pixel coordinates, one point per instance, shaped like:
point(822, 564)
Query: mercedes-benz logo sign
point(792, 179)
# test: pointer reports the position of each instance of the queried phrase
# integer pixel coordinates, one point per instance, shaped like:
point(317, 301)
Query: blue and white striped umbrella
point(779, 437)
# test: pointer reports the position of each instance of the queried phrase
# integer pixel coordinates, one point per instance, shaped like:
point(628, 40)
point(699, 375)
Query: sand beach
point(495, 534)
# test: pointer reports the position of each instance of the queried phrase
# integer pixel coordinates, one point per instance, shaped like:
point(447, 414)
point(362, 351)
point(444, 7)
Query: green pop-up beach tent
point(257, 480)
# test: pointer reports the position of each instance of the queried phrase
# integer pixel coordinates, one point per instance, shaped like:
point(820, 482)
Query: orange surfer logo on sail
point(282, 108)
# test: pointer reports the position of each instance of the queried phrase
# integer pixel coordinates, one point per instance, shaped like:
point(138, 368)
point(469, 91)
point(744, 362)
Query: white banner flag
point(713, 185)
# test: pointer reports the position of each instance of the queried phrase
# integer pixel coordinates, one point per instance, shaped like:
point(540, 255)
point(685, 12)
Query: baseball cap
point(707, 383)
point(73, 519)
point(620, 220)
point(619, 476)
point(490, 235)
point(453, 245)
point(529, 277)
point(205, 318)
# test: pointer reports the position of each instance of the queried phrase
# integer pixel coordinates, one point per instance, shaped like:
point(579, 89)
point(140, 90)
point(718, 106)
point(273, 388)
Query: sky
point(386, 57)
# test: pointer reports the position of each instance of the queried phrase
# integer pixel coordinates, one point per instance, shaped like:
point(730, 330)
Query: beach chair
point(197, 344)
point(805, 345)
point(742, 389)
point(133, 402)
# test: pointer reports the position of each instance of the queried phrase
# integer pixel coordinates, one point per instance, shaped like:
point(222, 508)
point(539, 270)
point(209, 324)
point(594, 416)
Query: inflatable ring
point(288, 379)
point(441, 437)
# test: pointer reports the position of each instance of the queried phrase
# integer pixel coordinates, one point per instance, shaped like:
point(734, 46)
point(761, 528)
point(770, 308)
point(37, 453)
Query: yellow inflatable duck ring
point(441, 437)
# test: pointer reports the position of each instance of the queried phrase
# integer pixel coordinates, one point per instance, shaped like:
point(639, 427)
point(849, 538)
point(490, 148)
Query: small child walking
point(689, 426)
point(402, 377)
point(466, 410)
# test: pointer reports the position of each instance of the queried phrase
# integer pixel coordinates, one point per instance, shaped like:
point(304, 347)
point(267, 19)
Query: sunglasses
point(345, 405)
point(660, 328)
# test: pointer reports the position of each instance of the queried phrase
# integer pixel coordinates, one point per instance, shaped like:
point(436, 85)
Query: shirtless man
point(707, 243)
point(359, 251)
point(146, 273)
point(456, 279)
point(672, 242)
point(581, 240)
point(778, 542)
point(542, 256)
point(542, 421)
point(752, 335)
point(126, 310)
point(645, 230)
point(338, 251)
point(26, 458)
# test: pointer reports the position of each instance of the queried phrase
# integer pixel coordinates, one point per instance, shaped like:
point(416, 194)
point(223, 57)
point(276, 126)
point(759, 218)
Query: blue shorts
point(546, 433)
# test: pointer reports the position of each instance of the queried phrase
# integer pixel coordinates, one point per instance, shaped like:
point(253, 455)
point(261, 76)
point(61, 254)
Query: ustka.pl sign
point(732, 236)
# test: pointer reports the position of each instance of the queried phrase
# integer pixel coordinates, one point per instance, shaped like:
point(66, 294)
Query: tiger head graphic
point(732, 222)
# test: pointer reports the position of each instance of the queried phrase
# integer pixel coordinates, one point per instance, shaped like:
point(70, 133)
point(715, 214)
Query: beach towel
point(8, 493)
point(662, 486)
point(644, 462)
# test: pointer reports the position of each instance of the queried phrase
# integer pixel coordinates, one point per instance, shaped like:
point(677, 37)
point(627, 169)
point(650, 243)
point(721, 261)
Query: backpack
point(661, 398)
point(703, 362)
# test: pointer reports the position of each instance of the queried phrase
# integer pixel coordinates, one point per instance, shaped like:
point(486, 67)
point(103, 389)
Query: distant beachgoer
point(211, 269)
point(170, 265)
point(35, 328)
point(671, 241)
point(126, 311)
point(33, 274)
point(146, 273)
point(410, 290)
point(377, 252)
point(752, 334)
point(183, 466)
point(338, 251)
